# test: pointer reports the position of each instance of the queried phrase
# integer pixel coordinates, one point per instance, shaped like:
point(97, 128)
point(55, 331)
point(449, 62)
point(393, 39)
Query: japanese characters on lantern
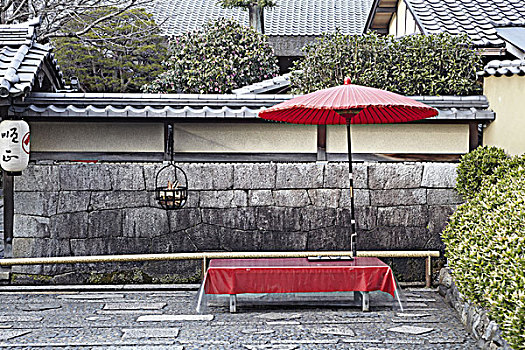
point(14, 145)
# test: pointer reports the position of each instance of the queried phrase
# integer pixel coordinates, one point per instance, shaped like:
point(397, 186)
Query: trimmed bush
point(438, 64)
point(477, 166)
point(485, 248)
point(221, 57)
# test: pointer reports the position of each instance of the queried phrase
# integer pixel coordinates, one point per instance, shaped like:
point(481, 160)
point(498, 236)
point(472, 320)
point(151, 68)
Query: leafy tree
point(438, 64)
point(255, 10)
point(216, 59)
point(119, 56)
point(56, 15)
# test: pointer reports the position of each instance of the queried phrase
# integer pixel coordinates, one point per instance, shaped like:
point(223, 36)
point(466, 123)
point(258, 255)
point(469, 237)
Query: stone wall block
point(254, 176)
point(439, 175)
point(385, 176)
point(284, 241)
point(101, 200)
point(232, 218)
point(299, 175)
point(366, 218)
point(216, 199)
point(36, 203)
point(105, 223)
point(175, 242)
point(144, 222)
point(443, 197)
point(81, 177)
point(26, 226)
point(325, 198)
point(183, 219)
point(204, 237)
point(110, 245)
point(438, 217)
point(127, 177)
point(41, 178)
point(69, 225)
point(291, 198)
point(331, 238)
point(336, 175)
point(415, 215)
point(398, 197)
point(318, 218)
point(73, 201)
point(212, 176)
point(295, 220)
point(240, 240)
point(361, 198)
point(391, 238)
point(39, 247)
point(240, 198)
point(270, 218)
point(258, 198)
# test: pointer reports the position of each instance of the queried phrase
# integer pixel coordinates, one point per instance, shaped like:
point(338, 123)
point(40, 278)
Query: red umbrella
point(349, 104)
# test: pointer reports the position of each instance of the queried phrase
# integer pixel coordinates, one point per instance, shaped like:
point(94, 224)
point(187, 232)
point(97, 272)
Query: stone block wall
point(64, 209)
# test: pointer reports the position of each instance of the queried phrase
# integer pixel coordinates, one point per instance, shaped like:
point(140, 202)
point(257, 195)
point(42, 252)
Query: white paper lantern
point(14, 145)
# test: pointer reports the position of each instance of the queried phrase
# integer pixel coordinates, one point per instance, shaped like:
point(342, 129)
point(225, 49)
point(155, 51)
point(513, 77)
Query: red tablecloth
point(298, 275)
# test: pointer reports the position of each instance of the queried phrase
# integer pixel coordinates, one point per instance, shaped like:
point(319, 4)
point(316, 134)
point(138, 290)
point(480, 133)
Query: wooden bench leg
point(233, 303)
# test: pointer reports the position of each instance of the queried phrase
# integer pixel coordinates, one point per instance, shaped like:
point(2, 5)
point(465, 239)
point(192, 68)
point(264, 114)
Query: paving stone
point(20, 318)
point(423, 300)
point(411, 315)
point(91, 296)
point(459, 340)
point(256, 331)
point(161, 318)
point(305, 341)
point(128, 312)
point(12, 333)
point(150, 332)
point(283, 323)
point(364, 341)
point(6, 326)
point(415, 320)
point(273, 347)
point(278, 316)
point(411, 330)
point(134, 306)
point(39, 307)
point(336, 331)
point(404, 341)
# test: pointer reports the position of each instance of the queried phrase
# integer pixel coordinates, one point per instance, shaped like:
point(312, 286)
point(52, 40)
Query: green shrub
point(438, 64)
point(485, 249)
point(477, 166)
point(217, 59)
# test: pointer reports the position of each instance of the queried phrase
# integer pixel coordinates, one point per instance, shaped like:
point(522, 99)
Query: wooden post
point(321, 142)
point(8, 213)
point(428, 272)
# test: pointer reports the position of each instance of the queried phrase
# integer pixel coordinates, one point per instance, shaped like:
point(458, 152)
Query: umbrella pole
point(353, 232)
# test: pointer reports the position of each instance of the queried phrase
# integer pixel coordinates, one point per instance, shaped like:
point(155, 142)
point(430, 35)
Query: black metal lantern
point(174, 194)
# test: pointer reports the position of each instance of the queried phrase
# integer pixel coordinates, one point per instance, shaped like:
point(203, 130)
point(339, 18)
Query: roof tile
point(289, 17)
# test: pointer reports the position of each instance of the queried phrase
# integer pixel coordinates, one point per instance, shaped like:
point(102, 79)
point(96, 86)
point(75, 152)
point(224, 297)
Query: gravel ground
point(166, 319)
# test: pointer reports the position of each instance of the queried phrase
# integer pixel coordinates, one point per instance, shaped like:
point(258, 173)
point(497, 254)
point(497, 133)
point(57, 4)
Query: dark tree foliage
point(220, 57)
point(119, 55)
point(438, 64)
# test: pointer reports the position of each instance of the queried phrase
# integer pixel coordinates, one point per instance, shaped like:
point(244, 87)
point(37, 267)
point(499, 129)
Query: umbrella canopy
point(349, 104)
point(361, 104)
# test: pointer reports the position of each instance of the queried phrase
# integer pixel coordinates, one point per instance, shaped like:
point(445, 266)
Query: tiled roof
point(477, 18)
point(289, 17)
point(507, 68)
point(166, 106)
point(22, 60)
point(515, 38)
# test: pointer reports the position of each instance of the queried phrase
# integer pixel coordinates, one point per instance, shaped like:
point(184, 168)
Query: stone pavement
point(164, 318)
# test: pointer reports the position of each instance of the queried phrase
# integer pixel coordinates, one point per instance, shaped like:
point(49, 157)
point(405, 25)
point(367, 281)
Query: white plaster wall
point(96, 137)
point(230, 137)
point(506, 97)
point(400, 138)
